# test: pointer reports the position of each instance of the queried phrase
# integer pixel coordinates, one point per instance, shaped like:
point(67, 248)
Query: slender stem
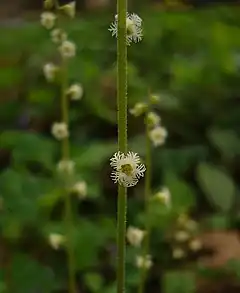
point(122, 138)
point(68, 209)
point(148, 178)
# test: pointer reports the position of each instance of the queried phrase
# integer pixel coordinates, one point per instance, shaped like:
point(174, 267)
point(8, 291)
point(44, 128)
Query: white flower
point(67, 49)
point(56, 240)
point(158, 135)
point(48, 19)
point(144, 262)
point(69, 9)
point(127, 168)
point(134, 28)
point(80, 188)
point(75, 91)
point(195, 245)
point(135, 236)
point(49, 71)
point(66, 166)
point(58, 35)
point(153, 119)
point(60, 130)
point(164, 196)
point(178, 253)
point(182, 236)
point(138, 109)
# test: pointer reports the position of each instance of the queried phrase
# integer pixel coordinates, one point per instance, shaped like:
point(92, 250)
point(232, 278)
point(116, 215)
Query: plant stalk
point(148, 178)
point(68, 208)
point(122, 138)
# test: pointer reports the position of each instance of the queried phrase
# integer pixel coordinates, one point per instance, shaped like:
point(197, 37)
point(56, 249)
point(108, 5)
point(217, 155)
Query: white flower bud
point(144, 262)
point(164, 196)
point(138, 109)
point(178, 253)
point(75, 92)
point(58, 35)
point(158, 135)
point(56, 240)
point(48, 4)
point(135, 236)
point(69, 9)
point(66, 167)
point(195, 245)
point(182, 236)
point(80, 188)
point(48, 19)
point(60, 130)
point(67, 49)
point(153, 119)
point(50, 71)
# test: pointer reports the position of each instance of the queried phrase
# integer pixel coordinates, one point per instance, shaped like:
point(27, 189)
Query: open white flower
point(158, 135)
point(164, 196)
point(49, 71)
point(134, 28)
point(135, 236)
point(58, 35)
point(69, 9)
point(48, 19)
point(60, 130)
point(80, 188)
point(75, 92)
point(138, 109)
point(66, 167)
point(144, 262)
point(67, 49)
point(153, 119)
point(127, 168)
point(56, 240)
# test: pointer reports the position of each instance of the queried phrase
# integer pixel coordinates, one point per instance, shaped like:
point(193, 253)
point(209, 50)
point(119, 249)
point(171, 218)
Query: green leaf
point(217, 185)
point(179, 282)
point(28, 276)
point(28, 147)
point(182, 195)
point(226, 141)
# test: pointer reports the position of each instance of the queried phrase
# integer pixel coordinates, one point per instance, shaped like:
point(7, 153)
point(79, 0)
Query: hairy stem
point(122, 138)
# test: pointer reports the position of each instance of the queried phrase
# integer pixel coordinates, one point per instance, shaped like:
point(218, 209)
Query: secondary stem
point(122, 138)
point(148, 178)
point(68, 209)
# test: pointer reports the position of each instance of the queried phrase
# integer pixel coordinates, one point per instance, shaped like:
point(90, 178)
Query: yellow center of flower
point(127, 169)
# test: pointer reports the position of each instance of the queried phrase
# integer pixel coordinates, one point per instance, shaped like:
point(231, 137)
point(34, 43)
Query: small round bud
point(138, 109)
point(56, 240)
point(135, 236)
point(178, 253)
point(67, 49)
point(48, 20)
point(158, 136)
point(80, 189)
point(60, 130)
point(58, 35)
point(66, 167)
point(48, 4)
point(69, 9)
point(144, 262)
point(75, 92)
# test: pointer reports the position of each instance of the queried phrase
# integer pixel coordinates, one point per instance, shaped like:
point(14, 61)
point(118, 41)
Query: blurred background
point(190, 57)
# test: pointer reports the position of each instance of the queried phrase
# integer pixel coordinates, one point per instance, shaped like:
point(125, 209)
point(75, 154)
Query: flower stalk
point(122, 138)
point(148, 178)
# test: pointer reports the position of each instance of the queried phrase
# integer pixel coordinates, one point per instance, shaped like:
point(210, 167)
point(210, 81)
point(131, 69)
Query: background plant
point(192, 61)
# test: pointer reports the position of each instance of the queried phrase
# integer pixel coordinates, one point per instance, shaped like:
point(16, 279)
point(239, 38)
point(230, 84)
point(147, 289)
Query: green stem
point(122, 138)
point(68, 209)
point(148, 178)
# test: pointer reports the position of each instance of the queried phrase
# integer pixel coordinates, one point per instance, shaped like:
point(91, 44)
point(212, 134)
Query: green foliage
point(217, 185)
